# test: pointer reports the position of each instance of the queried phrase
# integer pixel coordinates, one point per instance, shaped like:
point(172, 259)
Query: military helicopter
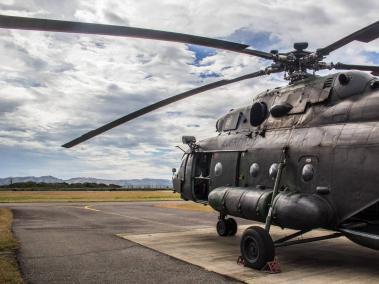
point(302, 156)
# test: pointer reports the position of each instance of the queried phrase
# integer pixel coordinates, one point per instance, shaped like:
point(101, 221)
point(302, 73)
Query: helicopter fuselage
point(330, 126)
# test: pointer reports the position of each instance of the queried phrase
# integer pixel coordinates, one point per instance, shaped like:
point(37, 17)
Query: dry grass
point(86, 196)
point(7, 242)
point(9, 272)
point(186, 206)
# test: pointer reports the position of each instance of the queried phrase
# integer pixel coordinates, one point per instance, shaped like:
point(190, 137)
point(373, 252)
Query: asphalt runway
point(74, 243)
point(138, 242)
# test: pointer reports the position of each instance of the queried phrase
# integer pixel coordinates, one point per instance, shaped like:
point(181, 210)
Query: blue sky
point(54, 87)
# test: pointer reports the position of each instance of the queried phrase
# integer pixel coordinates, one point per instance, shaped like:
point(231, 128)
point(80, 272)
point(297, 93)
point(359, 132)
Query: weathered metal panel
point(229, 162)
point(355, 178)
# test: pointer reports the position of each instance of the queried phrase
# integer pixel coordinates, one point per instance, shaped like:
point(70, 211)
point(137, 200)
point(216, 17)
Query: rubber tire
point(232, 227)
point(222, 228)
point(257, 247)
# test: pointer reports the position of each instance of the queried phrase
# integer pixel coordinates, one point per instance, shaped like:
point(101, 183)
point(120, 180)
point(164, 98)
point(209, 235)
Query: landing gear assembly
point(257, 247)
point(226, 227)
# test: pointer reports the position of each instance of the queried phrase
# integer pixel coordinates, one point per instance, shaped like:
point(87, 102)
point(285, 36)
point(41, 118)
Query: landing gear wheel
point(222, 228)
point(257, 247)
point(231, 225)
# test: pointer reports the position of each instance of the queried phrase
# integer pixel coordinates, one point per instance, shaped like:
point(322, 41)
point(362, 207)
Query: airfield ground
point(163, 242)
point(86, 196)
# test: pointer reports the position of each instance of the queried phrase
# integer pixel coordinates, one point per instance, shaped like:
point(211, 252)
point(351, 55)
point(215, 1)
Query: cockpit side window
point(231, 121)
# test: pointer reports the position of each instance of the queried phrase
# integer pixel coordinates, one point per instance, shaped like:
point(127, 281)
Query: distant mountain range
point(146, 182)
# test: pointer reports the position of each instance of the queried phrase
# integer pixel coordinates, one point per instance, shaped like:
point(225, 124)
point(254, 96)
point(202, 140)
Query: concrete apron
point(337, 260)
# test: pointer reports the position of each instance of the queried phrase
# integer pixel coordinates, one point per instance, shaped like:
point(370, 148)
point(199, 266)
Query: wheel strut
point(284, 242)
point(222, 216)
point(275, 191)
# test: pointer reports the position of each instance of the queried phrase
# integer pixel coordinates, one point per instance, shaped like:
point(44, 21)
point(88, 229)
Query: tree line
point(64, 186)
point(61, 185)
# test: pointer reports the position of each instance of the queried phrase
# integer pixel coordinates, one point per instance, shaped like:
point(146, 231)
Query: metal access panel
point(255, 167)
point(224, 169)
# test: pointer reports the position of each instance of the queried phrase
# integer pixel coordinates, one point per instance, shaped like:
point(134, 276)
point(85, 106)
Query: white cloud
point(54, 87)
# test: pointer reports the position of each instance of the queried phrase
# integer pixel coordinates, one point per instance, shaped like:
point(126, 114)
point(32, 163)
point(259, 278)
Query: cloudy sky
point(55, 87)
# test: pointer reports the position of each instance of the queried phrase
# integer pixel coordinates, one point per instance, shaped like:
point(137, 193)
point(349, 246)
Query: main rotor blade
point(12, 22)
point(366, 34)
point(160, 104)
point(342, 66)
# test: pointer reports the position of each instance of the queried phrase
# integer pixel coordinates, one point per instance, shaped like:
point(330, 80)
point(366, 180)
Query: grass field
point(86, 196)
point(9, 272)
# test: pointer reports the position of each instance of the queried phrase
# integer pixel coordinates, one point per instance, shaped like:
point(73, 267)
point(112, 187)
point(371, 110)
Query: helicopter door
point(224, 169)
point(201, 176)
